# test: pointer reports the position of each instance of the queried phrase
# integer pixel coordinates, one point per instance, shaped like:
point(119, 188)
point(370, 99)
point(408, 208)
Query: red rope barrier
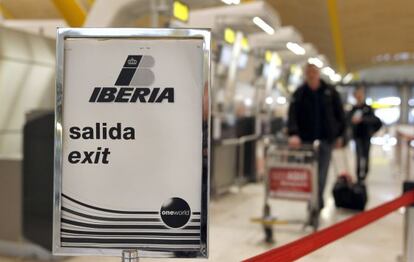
point(308, 244)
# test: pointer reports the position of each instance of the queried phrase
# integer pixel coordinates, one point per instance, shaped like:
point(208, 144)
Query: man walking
point(316, 113)
point(364, 124)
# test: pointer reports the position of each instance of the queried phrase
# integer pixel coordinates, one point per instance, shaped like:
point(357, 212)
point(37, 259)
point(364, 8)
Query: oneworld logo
point(175, 212)
point(132, 84)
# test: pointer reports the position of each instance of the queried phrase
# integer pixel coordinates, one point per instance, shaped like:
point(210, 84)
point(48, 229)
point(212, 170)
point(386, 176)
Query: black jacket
point(369, 125)
point(330, 121)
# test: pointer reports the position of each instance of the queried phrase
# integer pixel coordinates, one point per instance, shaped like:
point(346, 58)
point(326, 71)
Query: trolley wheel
point(268, 229)
point(269, 235)
point(314, 219)
point(266, 210)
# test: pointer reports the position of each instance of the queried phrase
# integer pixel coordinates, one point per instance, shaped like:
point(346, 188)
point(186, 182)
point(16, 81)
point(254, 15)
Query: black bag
point(350, 195)
point(377, 124)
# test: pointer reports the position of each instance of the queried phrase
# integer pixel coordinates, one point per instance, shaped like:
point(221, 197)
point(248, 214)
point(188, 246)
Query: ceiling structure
point(38, 9)
point(371, 32)
point(29, 9)
point(353, 34)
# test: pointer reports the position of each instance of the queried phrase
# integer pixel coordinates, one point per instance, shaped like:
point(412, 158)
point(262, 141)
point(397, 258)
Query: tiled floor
point(233, 237)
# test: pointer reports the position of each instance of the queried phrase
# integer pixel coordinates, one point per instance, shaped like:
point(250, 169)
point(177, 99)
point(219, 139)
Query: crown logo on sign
point(132, 61)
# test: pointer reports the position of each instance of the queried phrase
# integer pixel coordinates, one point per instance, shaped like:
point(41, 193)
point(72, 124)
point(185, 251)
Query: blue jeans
point(325, 153)
point(362, 160)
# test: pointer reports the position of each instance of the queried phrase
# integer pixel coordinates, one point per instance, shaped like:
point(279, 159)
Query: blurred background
point(259, 50)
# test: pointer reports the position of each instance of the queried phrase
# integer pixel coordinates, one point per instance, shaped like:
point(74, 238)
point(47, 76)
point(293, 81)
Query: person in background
point(316, 113)
point(364, 124)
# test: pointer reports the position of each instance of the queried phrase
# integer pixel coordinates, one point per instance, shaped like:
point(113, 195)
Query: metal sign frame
point(131, 33)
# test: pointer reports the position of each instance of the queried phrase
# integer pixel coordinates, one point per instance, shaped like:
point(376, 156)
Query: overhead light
point(335, 77)
point(328, 71)
point(295, 48)
point(315, 61)
point(348, 78)
point(248, 102)
point(263, 25)
point(386, 57)
point(231, 2)
point(269, 100)
point(402, 56)
point(390, 101)
point(281, 100)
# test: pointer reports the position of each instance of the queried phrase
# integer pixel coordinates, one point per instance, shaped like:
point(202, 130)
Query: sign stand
point(122, 94)
point(130, 255)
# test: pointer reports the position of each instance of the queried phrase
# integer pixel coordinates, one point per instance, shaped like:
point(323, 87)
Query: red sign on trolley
point(290, 183)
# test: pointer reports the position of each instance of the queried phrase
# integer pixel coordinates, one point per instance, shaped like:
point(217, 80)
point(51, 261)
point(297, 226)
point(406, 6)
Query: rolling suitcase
point(348, 194)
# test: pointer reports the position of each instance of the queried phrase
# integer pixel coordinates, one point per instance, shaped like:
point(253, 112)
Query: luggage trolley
point(292, 174)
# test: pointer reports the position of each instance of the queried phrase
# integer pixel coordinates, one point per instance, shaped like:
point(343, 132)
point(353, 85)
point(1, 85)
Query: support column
point(72, 12)
point(405, 95)
point(332, 6)
point(409, 227)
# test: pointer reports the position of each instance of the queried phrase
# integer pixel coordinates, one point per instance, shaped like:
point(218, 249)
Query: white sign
point(131, 152)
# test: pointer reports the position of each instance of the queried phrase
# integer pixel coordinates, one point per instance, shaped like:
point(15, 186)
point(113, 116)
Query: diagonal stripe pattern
point(87, 226)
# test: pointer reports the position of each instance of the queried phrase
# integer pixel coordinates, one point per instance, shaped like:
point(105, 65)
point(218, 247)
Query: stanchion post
point(398, 152)
point(407, 159)
point(409, 227)
point(130, 255)
point(240, 173)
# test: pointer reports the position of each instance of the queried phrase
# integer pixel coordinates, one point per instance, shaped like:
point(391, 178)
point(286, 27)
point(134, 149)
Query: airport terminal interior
point(306, 153)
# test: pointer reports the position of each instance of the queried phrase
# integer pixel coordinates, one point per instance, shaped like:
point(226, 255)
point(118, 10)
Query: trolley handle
point(314, 147)
point(239, 140)
point(306, 153)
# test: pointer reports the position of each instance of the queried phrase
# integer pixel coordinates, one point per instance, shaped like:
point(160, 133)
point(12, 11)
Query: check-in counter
point(10, 199)
point(233, 163)
point(26, 186)
point(246, 127)
point(223, 159)
point(233, 156)
point(27, 66)
point(223, 166)
point(37, 204)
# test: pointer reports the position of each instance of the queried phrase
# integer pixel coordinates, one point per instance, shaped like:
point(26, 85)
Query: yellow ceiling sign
point(269, 55)
point(230, 38)
point(278, 59)
point(181, 11)
point(229, 35)
point(4, 12)
point(245, 44)
point(376, 105)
